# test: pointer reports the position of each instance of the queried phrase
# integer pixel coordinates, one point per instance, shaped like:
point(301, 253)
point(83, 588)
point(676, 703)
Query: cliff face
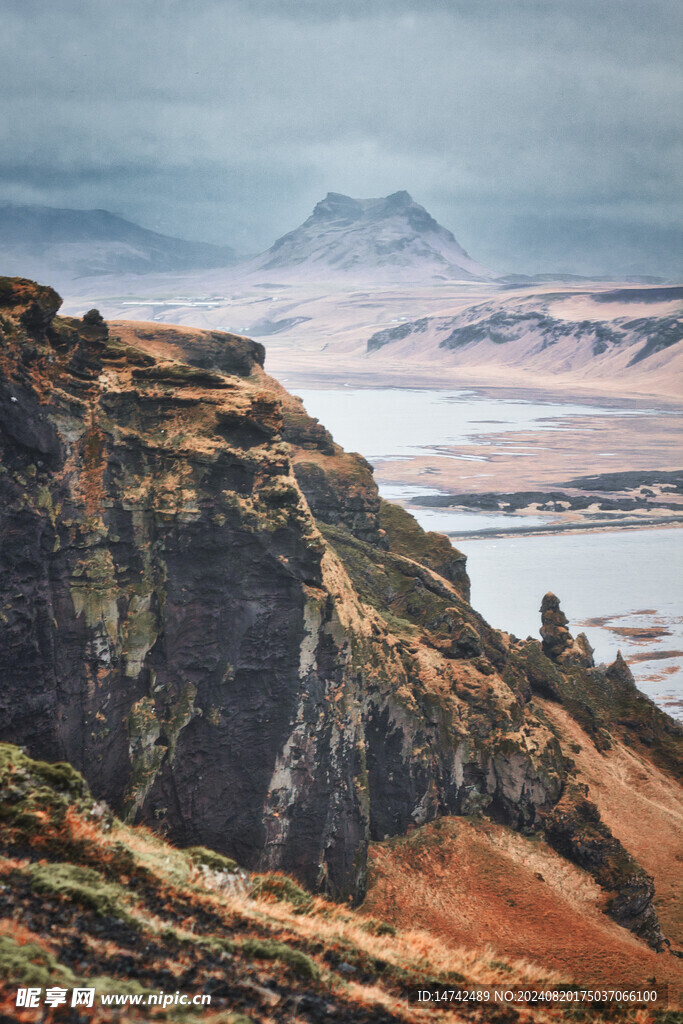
point(207, 610)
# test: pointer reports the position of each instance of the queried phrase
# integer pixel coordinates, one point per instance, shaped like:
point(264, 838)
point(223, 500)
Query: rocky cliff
point(207, 610)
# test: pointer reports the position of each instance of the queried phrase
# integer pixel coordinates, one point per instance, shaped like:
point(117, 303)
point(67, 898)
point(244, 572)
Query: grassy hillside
point(89, 901)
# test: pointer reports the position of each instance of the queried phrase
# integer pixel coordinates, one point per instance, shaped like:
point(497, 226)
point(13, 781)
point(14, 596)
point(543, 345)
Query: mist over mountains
point(411, 292)
point(392, 238)
point(382, 240)
point(50, 243)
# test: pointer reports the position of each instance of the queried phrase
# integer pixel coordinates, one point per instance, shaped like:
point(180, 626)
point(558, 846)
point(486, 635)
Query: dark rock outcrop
point(558, 643)
point(575, 830)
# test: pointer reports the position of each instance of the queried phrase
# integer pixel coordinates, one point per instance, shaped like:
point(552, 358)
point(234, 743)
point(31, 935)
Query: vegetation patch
point(254, 952)
point(374, 927)
point(279, 887)
point(203, 857)
point(266, 949)
point(30, 964)
point(181, 374)
point(82, 886)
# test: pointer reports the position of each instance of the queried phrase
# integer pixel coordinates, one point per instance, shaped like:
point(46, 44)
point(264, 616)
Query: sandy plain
point(323, 328)
point(316, 335)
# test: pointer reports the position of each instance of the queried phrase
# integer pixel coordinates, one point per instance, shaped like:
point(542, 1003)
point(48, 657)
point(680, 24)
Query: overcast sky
point(544, 133)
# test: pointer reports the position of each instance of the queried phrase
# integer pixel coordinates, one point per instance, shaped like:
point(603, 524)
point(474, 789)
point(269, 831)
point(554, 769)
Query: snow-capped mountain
point(383, 239)
point(367, 240)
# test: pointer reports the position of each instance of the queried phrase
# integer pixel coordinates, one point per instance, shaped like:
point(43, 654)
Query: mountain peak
point(391, 237)
point(399, 199)
point(336, 206)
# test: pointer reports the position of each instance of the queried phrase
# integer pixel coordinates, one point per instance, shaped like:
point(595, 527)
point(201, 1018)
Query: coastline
point(558, 528)
point(299, 368)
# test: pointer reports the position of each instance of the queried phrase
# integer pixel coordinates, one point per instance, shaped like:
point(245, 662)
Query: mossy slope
point(87, 900)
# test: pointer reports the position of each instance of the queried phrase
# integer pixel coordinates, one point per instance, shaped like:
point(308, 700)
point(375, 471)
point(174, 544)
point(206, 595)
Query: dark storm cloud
point(228, 120)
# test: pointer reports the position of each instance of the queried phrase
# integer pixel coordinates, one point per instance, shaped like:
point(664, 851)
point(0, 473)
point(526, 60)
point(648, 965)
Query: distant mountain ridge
point(598, 334)
point(386, 237)
point(384, 240)
point(44, 241)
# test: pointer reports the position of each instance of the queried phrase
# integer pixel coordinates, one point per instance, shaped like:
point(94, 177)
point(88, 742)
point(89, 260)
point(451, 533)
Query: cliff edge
point(207, 610)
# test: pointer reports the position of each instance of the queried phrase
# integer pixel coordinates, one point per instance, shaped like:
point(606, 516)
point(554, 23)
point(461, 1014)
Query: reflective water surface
point(621, 587)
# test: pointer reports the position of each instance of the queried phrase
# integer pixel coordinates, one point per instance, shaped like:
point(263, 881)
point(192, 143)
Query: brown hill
point(472, 882)
point(90, 902)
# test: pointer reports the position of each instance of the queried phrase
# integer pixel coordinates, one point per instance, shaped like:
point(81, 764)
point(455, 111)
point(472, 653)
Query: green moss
point(140, 630)
point(407, 977)
point(173, 939)
point(381, 583)
point(544, 677)
point(279, 887)
point(105, 985)
point(211, 859)
point(267, 949)
point(116, 351)
point(60, 775)
point(606, 702)
point(374, 927)
point(178, 714)
point(280, 494)
point(144, 729)
point(409, 597)
point(45, 501)
point(406, 537)
point(414, 978)
point(217, 945)
point(362, 779)
point(35, 795)
point(146, 724)
point(83, 886)
point(182, 374)
point(29, 964)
